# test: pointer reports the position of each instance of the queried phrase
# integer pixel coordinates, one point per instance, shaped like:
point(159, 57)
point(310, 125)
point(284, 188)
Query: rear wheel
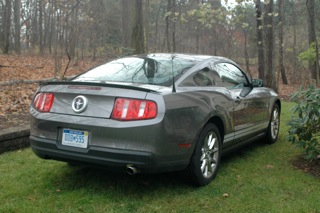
point(205, 160)
point(274, 125)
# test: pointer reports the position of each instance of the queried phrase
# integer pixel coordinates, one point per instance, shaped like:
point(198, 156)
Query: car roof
point(193, 57)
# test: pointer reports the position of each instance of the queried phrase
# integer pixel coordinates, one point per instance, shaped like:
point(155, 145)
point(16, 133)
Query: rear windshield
point(142, 70)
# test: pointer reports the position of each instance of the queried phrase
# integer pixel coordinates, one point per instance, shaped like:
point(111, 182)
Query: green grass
point(257, 178)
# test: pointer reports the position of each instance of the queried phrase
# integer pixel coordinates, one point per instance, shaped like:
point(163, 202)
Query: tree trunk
point(157, 30)
point(41, 48)
point(7, 26)
point(34, 28)
point(294, 48)
point(138, 38)
point(55, 33)
point(281, 23)
point(198, 38)
point(73, 30)
point(270, 77)
point(246, 53)
point(17, 27)
point(313, 65)
point(50, 25)
point(260, 42)
point(168, 26)
point(146, 24)
point(125, 22)
point(174, 26)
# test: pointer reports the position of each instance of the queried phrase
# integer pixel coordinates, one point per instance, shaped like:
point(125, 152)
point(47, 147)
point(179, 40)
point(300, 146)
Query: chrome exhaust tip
point(131, 169)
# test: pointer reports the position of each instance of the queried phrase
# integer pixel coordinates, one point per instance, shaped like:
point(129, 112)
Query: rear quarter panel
point(188, 111)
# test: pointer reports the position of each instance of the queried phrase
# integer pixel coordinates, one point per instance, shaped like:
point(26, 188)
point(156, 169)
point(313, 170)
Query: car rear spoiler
point(98, 84)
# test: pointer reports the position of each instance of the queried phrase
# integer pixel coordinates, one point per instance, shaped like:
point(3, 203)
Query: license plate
point(75, 138)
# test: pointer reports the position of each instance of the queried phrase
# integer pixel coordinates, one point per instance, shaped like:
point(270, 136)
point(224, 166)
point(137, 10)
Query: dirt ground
point(306, 166)
point(16, 96)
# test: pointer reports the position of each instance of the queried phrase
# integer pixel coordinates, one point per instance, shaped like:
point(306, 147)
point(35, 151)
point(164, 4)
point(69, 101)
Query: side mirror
point(257, 82)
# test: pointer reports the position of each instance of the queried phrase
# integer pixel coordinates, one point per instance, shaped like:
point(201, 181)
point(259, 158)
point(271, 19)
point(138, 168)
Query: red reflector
point(185, 145)
point(134, 109)
point(43, 102)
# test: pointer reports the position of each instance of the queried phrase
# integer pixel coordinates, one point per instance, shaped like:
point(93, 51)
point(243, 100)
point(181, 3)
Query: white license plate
point(75, 138)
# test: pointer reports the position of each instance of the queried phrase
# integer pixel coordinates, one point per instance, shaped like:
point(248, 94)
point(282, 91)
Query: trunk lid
point(90, 99)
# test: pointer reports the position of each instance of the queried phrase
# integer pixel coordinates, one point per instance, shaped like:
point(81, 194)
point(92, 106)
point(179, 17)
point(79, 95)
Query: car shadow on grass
point(244, 151)
point(98, 180)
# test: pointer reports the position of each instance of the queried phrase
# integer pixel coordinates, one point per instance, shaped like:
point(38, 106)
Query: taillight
point(134, 109)
point(43, 102)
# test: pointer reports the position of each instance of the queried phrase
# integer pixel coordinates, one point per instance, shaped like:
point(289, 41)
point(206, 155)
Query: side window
point(203, 78)
point(231, 76)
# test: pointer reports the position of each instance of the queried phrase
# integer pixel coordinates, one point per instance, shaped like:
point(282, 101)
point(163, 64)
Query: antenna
point(173, 84)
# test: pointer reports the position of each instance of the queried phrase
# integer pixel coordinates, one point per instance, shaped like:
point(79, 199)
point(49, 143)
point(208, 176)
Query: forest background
point(274, 40)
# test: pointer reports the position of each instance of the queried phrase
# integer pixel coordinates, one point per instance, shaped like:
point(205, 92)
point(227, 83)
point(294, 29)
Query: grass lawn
point(257, 178)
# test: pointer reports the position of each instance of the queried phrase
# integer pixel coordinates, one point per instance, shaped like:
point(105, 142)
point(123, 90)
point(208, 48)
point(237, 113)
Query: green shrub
point(309, 54)
point(304, 128)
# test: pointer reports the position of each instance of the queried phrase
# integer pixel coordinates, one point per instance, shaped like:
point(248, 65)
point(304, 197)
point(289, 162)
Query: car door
point(250, 111)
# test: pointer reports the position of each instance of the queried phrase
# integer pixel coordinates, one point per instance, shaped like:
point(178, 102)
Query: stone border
point(14, 138)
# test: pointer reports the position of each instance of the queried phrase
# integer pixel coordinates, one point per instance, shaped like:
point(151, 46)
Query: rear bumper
point(113, 159)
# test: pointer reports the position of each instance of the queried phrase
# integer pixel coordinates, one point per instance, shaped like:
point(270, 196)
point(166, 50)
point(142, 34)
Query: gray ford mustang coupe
point(154, 113)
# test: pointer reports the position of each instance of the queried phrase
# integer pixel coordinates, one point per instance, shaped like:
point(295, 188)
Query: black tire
point(274, 125)
point(204, 162)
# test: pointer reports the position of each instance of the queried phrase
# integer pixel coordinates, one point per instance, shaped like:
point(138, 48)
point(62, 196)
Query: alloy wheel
point(275, 123)
point(210, 155)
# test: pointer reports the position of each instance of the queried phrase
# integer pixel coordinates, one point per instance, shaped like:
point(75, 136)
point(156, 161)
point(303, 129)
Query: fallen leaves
point(26, 67)
point(225, 195)
point(16, 98)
